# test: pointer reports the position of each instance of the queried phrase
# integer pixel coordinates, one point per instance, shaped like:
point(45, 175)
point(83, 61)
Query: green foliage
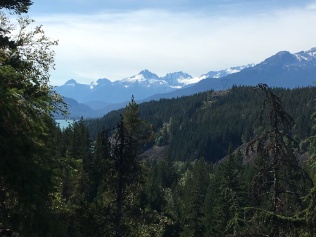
point(108, 189)
point(194, 193)
point(126, 174)
point(109, 182)
point(27, 130)
point(310, 199)
point(280, 183)
point(131, 118)
point(266, 195)
point(227, 195)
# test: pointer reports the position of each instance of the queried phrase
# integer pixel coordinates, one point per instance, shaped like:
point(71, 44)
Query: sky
point(115, 39)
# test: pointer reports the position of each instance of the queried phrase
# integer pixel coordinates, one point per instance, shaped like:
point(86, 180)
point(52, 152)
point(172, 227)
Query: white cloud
point(120, 44)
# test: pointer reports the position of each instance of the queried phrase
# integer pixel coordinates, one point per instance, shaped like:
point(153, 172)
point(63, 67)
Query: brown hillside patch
point(155, 153)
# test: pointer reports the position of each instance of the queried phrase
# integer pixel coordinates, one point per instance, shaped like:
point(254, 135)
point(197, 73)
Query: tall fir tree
point(280, 183)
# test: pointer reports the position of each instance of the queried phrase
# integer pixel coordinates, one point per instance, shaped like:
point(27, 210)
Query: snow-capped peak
point(148, 75)
point(144, 75)
point(309, 55)
point(100, 82)
point(287, 59)
point(177, 79)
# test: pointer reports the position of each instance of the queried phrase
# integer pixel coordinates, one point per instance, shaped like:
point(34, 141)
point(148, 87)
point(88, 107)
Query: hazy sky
point(115, 39)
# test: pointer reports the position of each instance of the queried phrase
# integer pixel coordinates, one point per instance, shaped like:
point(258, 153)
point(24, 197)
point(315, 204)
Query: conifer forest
point(239, 162)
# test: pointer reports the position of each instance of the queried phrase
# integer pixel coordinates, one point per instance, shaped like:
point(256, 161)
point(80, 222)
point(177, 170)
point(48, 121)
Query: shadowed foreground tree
point(280, 183)
point(26, 106)
point(310, 212)
point(18, 6)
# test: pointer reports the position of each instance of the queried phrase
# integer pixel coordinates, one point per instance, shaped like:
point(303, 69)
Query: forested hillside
point(211, 124)
point(110, 189)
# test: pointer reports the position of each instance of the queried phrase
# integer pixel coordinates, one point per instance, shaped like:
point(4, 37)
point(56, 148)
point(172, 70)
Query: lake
point(64, 123)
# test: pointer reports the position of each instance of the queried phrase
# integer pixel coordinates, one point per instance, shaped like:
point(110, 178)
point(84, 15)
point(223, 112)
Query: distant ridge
point(142, 85)
point(283, 69)
point(280, 70)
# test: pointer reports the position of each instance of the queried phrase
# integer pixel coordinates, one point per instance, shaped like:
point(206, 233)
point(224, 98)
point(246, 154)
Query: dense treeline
point(104, 187)
point(209, 124)
point(272, 195)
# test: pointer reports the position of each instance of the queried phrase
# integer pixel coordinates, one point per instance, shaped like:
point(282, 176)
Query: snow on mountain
point(306, 56)
point(189, 81)
point(283, 69)
point(143, 76)
point(143, 79)
point(177, 79)
point(142, 85)
point(285, 59)
point(148, 75)
point(147, 79)
point(225, 72)
point(184, 81)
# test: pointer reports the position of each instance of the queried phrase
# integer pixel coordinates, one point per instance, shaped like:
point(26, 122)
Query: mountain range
point(280, 70)
point(142, 85)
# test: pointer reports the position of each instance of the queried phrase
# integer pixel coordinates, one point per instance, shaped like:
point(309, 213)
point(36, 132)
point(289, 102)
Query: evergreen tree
point(234, 192)
point(309, 214)
point(280, 182)
point(195, 190)
point(118, 176)
point(18, 6)
point(26, 104)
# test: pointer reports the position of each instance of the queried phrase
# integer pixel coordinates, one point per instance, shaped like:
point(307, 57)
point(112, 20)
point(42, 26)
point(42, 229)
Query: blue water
point(64, 123)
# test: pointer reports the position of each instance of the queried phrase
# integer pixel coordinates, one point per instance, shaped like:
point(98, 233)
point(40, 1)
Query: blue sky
point(115, 39)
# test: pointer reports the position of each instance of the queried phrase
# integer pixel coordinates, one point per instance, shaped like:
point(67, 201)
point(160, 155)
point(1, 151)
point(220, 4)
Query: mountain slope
point(280, 70)
point(209, 124)
point(76, 110)
point(283, 69)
